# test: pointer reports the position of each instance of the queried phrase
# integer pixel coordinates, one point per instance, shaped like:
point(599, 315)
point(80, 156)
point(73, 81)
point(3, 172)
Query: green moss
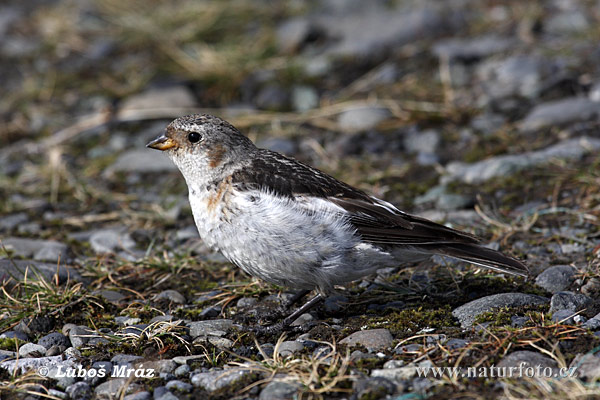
point(11, 344)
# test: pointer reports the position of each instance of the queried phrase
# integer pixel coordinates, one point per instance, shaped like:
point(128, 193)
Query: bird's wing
point(376, 221)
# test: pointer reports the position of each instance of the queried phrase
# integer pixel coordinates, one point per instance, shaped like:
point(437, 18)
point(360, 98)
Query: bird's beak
point(161, 143)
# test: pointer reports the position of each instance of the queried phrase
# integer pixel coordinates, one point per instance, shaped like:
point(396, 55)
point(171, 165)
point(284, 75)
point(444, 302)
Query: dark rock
point(138, 396)
point(246, 302)
point(593, 323)
point(454, 343)
point(556, 278)
point(123, 359)
point(530, 358)
point(373, 339)
point(79, 391)
point(518, 322)
point(11, 221)
point(179, 386)
point(40, 250)
point(280, 390)
point(111, 296)
point(218, 379)
point(373, 388)
point(569, 301)
point(54, 339)
point(80, 335)
point(15, 335)
point(563, 316)
point(592, 288)
point(171, 296)
point(467, 313)
point(216, 327)
point(112, 387)
point(182, 371)
point(334, 304)
point(587, 366)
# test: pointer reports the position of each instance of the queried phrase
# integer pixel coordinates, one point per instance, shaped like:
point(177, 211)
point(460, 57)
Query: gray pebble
point(372, 339)
point(32, 350)
point(138, 396)
point(289, 347)
point(217, 379)
point(79, 335)
point(179, 386)
point(569, 301)
point(556, 278)
point(246, 302)
point(530, 358)
point(467, 313)
point(172, 296)
point(362, 118)
point(374, 388)
point(560, 113)
point(278, 390)
point(182, 371)
point(79, 391)
point(216, 327)
point(54, 339)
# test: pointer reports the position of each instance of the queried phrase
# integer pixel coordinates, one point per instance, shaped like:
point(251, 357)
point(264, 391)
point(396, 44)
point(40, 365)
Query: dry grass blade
point(324, 372)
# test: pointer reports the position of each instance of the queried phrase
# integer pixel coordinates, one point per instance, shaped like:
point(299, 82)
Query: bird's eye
point(194, 137)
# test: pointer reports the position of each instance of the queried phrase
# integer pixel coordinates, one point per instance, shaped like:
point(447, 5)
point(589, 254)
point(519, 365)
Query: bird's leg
point(287, 321)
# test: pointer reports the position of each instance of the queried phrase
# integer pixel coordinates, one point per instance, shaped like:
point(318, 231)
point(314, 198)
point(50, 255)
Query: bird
point(293, 225)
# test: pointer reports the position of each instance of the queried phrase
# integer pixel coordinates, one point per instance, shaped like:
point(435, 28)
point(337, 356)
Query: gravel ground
point(482, 115)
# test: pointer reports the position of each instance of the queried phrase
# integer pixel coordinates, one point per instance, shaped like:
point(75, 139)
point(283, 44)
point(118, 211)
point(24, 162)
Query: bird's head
point(203, 146)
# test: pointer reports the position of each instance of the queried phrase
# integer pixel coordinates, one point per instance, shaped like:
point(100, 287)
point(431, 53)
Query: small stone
point(32, 350)
point(592, 288)
point(220, 342)
point(334, 304)
point(127, 321)
point(182, 371)
point(395, 375)
point(55, 350)
point(454, 343)
point(16, 269)
point(172, 296)
point(59, 394)
point(217, 379)
point(210, 312)
point(289, 347)
point(563, 316)
point(467, 313)
point(372, 339)
point(556, 278)
point(569, 301)
point(54, 339)
point(113, 387)
point(518, 322)
point(587, 366)
point(305, 318)
point(362, 118)
point(11, 221)
point(530, 358)
point(14, 335)
point(472, 48)
point(215, 327)
point(246, 302)
point(304, 98)
point(138, 396)
point(374, 388)
point(40, 250)
point(278, 390)
point(79, 391)
point(592, 323)
point(111, 240)
point(422, 141)
point(571, 21)
point(560, 113)
point(179, 386)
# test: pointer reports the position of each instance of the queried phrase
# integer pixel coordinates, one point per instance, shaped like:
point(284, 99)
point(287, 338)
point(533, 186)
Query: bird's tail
point(484, 257)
